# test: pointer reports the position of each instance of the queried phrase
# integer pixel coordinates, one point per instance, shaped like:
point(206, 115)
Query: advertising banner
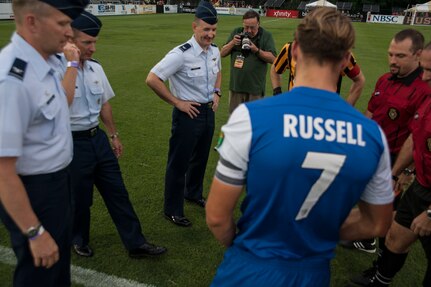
point(111, 9)
point(425, 21)
point(282, 13)
point(388, 19)
point(169, 9)
point(6, 11)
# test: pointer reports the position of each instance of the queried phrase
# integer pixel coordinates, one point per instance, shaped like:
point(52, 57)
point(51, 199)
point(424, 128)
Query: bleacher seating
point(301, 5)
point(344, 5)
point(274, 3)
point(373, 8)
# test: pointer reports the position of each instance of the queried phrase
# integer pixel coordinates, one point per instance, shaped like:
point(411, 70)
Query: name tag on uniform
point(239, 61)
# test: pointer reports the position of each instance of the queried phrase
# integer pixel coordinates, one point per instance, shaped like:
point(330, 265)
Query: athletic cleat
point(361, 245)
point(376, 281)
point(366, 277)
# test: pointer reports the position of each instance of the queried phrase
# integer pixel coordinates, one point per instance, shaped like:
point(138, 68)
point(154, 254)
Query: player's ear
point(295, 50)
point(344, 61)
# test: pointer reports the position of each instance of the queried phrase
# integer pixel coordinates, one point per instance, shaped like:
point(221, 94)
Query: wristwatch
point(34, 231)
point(408, 171)
point(217, 91)
point(429, 213)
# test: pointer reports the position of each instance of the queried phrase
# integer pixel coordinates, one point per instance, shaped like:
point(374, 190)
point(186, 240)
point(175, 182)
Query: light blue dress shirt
point(191, 71)
point(34, 116)
point(91, 92)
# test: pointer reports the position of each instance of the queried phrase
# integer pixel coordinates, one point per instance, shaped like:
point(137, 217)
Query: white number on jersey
point(331, 165)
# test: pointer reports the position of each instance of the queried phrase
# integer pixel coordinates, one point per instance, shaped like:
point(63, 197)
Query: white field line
point(86, 277)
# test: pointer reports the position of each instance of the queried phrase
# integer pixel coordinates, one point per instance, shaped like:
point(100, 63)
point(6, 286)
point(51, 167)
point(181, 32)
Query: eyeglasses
point(254, 27)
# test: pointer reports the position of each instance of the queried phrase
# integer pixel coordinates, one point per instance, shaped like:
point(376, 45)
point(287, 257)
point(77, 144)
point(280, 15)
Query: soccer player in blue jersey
point(306, 159)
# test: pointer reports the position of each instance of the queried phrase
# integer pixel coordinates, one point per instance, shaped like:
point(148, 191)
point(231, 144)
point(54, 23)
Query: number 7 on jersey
point(330, 164)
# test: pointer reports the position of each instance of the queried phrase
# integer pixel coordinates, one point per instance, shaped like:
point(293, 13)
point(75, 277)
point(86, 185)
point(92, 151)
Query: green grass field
point(128, 48)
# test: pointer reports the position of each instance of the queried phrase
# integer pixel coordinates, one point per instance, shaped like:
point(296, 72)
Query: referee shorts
point(414, 201)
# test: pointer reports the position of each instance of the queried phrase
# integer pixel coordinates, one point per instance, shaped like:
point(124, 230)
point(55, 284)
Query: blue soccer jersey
point(306, 158)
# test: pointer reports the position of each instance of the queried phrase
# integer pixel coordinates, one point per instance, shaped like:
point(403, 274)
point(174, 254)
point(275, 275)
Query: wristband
point(276, 91)
point(114, 135)
point(73, 64)
point(257, 52)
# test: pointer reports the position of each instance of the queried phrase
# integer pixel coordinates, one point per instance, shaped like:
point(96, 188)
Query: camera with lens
point(245, 43)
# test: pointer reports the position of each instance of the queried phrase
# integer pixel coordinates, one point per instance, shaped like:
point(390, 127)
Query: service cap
point(206, 12)
point(87, 23)
point(71, 8)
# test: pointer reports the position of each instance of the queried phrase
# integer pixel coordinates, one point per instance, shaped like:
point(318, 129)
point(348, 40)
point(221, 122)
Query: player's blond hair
point(325, 35)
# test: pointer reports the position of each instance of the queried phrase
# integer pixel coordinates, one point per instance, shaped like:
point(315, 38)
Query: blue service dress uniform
point(94, 162)
point(35, 128)
point(192, 73)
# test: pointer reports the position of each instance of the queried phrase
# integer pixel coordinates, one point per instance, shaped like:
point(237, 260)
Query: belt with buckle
point(85, 134)
point(208, 105)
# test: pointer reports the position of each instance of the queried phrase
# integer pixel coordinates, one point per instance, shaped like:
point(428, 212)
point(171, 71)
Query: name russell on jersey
point(316, 128)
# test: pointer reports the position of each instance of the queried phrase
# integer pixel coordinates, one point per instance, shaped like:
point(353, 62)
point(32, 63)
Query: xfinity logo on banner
point(285, 14)
point(390, 19)
point(282, 13)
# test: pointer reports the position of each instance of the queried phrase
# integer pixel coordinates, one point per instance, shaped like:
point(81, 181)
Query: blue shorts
point(240, 268)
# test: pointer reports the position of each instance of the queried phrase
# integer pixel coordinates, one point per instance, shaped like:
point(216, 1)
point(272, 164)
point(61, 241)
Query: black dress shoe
point(201, 202)
point(84, 251)
point(178, 220)
point(147, 249)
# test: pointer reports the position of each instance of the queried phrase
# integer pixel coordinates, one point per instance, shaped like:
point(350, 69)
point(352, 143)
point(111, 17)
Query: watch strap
point(34, 231)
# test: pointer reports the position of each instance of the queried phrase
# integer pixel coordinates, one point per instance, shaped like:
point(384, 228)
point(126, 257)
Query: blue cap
point(206, 12)
point(71, 8)
point(88, 24)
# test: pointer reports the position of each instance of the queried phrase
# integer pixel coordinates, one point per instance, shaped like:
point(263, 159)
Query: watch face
point(429, 213)
point(32, 232)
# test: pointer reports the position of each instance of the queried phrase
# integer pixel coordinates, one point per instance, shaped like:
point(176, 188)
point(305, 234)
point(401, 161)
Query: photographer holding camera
point(251, 48)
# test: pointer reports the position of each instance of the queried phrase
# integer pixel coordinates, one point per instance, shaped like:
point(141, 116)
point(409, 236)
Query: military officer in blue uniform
point(36, 143)
point(194, 73)
point(95, 161)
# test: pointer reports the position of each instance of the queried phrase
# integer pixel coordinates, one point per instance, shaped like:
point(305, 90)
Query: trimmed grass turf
point(128, 48)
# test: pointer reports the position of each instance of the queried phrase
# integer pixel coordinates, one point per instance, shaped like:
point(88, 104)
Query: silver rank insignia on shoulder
point(18, 69)
point(416, 116)
point(393, 113)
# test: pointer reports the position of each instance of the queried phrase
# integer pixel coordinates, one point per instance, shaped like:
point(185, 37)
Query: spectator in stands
point(301, 185)
point(251, 48)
